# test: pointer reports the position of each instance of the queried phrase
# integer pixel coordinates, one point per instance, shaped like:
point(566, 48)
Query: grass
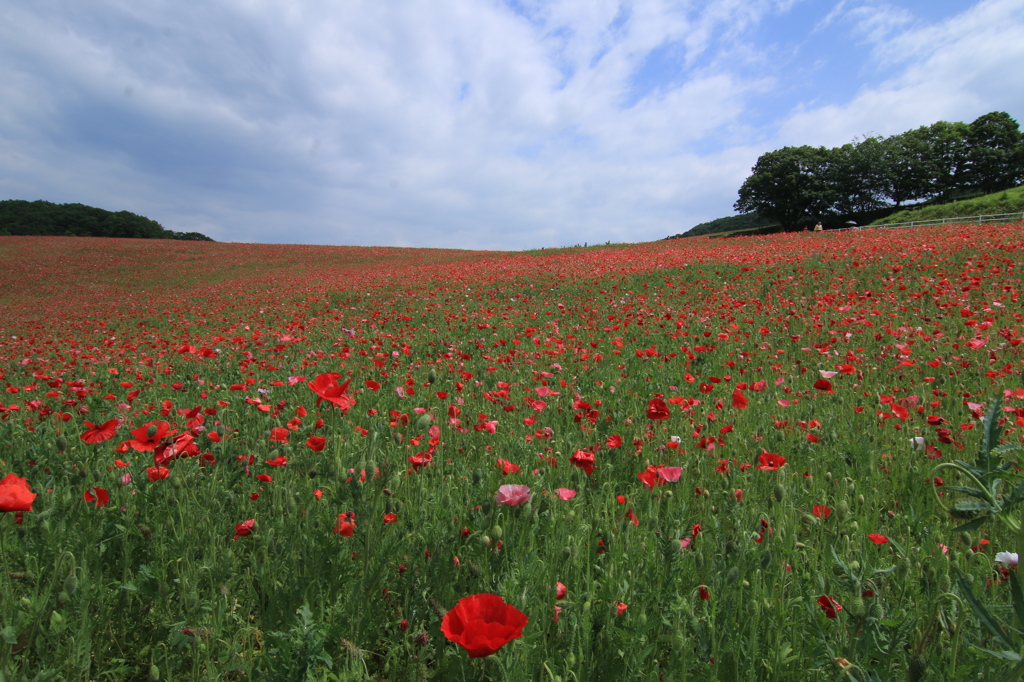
point(1007, 201)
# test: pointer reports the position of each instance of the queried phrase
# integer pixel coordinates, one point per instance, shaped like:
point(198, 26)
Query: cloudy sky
point(485, 124)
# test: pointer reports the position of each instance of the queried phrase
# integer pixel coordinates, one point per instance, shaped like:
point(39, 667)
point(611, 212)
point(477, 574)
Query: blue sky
point(481, 124)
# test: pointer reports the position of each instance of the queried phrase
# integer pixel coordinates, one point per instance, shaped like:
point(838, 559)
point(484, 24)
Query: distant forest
point(18, 217)
point(877, 176)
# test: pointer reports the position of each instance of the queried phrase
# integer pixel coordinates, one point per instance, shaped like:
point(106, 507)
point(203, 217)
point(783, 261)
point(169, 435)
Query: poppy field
point(771, 458)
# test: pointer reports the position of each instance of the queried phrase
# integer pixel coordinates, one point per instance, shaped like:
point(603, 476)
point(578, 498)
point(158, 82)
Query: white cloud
point(954, 70)
point(451, 122)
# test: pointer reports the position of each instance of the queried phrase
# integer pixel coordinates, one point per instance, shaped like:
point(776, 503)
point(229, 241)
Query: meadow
point(684, 460)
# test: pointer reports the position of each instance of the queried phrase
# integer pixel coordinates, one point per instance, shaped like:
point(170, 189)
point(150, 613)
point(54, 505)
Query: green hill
point(1007, 201)
point(18, 217)
point(744, 221)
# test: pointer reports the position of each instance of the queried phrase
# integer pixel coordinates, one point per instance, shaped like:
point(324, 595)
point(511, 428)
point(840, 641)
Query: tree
point(857, 178)
point(994, 156)
point(947, 158)
point(789, 184)
point(904, 165)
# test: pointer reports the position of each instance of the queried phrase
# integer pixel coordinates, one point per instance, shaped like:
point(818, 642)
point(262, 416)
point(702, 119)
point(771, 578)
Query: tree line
point(869, 178)
point(19, 217)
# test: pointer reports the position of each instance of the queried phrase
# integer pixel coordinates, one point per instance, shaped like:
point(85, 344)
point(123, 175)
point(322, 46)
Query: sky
point(478, 124)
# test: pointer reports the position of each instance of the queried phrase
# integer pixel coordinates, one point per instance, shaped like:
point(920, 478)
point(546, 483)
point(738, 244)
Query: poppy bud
point(856, 607)
point(566, 553)
point(423, 423)
point(780, 493)
point(63, 598)
point(71, 583)
point(62, 444)
point(586, 605)
point(154, 673)
point(397, 437)
point(860, 499)
point(965, 538)
point(917, 667)
point(854, 565)
point(828, 477)
point(497, 532)
point(877, 611)
point(432, 376)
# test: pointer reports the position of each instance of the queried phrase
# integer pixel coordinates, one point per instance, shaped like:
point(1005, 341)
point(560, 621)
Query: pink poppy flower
point(512, 495)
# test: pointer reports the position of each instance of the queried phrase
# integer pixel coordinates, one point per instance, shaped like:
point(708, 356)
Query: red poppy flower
point(614, 441)
point(560, 591)
point(584, 460)
point(739, 401)
point(657, 410)
point(620, 608)
point(483, 623)
point(244, 528)
point(278, 461)
point(507, 467)
point(372, 385)
point(565, 493)
point(327, 388)
point(877, 539)
point(823, 385)
point(149, 436)
point(15, 494)
point(316, 443)
point(279, 434)
point(390, 517)
point(346, 524)
point(121, 464)
point(266, 478)
point(769, 461)
point(704, 593)
point(97, 495)
point(156, 473)
point(650, 478)
point(830, 606)
point(821, 511)
point(420, 460)
point(97, 434)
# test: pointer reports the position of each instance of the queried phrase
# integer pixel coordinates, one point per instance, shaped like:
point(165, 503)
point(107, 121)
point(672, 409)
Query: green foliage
point(789, 185)
point(18, 217)
point(1006, 201)
point(857, 181)
point(744, 221)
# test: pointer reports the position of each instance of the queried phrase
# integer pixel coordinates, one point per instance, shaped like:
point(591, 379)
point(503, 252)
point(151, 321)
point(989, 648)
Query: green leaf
point(1015, 673)
point(991, 436)
point(1006, 655)
point(973, 492)
point(10, 637)
point(994, 626)
point(971, 525)
point(1018, 597)
point(1015, 497)
point(968, 505)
